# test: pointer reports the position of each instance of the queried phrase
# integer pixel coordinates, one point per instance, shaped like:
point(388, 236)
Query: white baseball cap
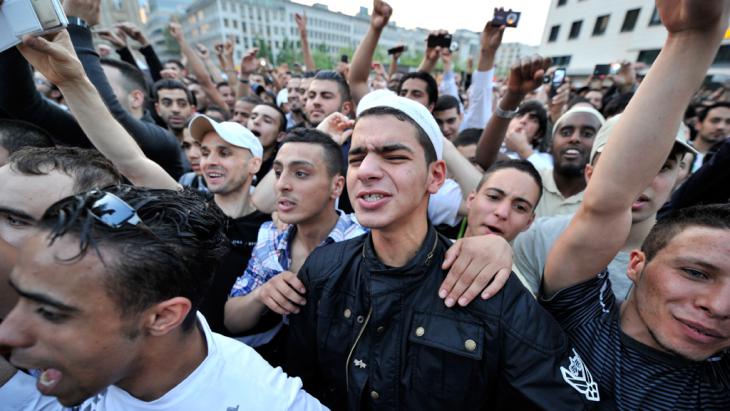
point(231, 132)
point(416, 111)
point(599, 143)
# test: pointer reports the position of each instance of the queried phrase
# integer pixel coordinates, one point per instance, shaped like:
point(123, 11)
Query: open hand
point(134, 32)
point(54, 57)
point(117, 38)
point(480, 264)
point(338, 126)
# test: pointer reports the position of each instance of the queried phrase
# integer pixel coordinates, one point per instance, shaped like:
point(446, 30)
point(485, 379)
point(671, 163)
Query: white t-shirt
point(233, 377)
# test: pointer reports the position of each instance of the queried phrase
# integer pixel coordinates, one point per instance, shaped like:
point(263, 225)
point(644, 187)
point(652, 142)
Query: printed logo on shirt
point(578, 376)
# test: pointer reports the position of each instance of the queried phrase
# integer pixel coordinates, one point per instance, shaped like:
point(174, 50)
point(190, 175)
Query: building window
point(562, 2)
point(601, 24)
point(225, 22)
point(554, 31)
point(648, 56)
point(575, 29)
point(630, 20)
point(561, 60)
point(655, 19)
point(723, 55)
point(235, 24)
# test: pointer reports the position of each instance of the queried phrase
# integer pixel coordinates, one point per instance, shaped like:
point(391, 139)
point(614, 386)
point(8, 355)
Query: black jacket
point(373, 337)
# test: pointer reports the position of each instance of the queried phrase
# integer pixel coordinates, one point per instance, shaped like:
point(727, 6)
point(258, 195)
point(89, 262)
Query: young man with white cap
point(531, 248)
point(230, 158)
point(374, 333)
point(573, 135)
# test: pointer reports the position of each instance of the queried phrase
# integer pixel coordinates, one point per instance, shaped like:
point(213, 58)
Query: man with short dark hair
point(448, 115)
point(504, 202)
point(373, 333)
point(228, 94)
point(16, 134)
point(295, 94)
point(309, 180)
point(176, 67)
point(103, 336)
point(713, 126)
point(327, 93)
point(32, 180)
point(421, 87)
point(466, 143)
point(243, 108)
point(174, 105)
point(268, 123)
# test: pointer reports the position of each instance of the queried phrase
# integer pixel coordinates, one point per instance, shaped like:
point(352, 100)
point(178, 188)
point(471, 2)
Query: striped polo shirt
point(631, 375)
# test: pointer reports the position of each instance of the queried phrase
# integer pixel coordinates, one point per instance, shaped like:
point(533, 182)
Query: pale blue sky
point(459, 14)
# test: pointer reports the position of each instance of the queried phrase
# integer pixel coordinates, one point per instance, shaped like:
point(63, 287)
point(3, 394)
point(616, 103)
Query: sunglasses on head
point(113, 211)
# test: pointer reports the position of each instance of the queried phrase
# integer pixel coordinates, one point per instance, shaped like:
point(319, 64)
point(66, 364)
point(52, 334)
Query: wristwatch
point(243, 80)
point(505, 113)
point(77, 21)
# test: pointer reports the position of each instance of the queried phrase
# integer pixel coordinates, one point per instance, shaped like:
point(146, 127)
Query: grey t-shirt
point(531, 249)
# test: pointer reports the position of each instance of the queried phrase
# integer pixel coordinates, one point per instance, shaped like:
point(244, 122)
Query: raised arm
point(525, 76)
point(461, 170)
point(363, 57)
point(249, 63)
point(197, 67)
point(393, 63)
point(301, 20)
point(153, 62)
point(480, 96)
point(215, 72)
point(57, 61)
point(432, 54)
point(639, 143)
point(225, 58)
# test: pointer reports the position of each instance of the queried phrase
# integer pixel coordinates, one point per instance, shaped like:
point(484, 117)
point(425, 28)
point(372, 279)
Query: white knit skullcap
point(416, 111)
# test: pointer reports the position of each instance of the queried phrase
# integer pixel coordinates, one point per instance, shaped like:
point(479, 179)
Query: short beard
point(570, 170)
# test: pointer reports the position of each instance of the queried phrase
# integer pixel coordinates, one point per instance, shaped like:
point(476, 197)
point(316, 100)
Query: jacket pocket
point(445, 360)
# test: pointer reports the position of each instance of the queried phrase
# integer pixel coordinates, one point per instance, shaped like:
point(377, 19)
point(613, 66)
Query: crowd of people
point(201, 233)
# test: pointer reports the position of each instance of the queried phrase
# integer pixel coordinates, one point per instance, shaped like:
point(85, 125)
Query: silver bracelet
point(505, 113)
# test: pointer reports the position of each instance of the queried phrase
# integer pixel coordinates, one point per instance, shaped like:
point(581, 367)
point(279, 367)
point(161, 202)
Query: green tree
point(322, 59)
point(289, 54)
point(264, 49)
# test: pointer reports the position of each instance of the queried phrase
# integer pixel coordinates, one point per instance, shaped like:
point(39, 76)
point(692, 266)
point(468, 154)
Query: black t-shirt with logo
point(631, 375)
point(242, 233)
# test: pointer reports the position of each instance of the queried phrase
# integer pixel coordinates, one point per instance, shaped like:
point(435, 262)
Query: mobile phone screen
point(558, 77)
point(46, 14)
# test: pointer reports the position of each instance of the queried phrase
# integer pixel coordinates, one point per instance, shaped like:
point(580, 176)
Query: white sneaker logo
point(578, 376)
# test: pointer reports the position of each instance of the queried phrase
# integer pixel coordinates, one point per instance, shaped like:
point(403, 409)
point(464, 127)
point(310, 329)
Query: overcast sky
point(456, 14)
